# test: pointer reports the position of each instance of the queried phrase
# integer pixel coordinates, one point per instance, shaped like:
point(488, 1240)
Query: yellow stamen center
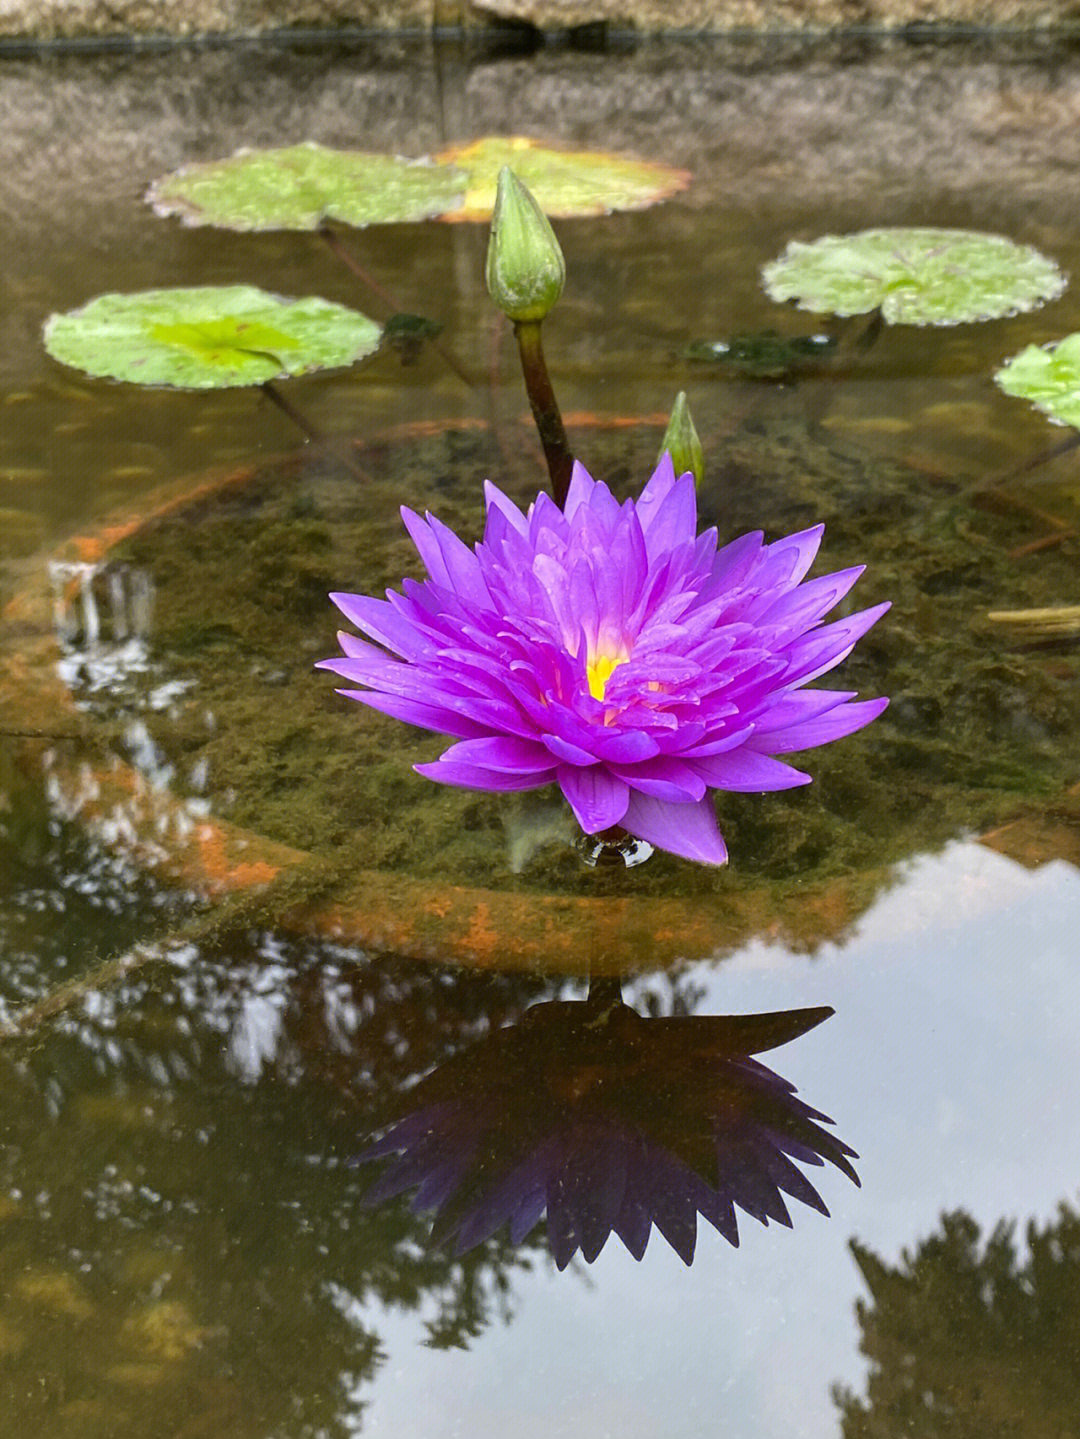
point(599, 670)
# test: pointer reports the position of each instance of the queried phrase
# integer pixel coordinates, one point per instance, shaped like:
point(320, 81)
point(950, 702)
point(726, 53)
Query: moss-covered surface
point(977, 725)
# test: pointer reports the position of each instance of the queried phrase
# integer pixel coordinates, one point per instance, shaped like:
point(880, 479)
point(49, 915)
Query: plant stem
point(605, 995)
point(338, 448)
point(867, 336)
point(72, 992)
point(545, 408)
point(299, 419)
point(1034, 462)
point(334, 244)
point(42, 734)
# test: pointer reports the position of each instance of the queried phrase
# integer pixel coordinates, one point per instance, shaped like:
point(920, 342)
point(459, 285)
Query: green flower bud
point(525, 268)
point(681, 441)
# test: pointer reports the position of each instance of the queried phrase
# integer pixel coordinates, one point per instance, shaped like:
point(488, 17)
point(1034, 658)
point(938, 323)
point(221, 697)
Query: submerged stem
point(300, 420)
point(868, 335)
point(336, 447)
point(545, 408)
point(334, 243)
point(605, 995)
point(1035, 462)
point(42, 734)
point(72, 992)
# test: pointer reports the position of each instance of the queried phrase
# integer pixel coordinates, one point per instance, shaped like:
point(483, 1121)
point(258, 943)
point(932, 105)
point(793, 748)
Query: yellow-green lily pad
point(209, 338)
point(1048, 376)
point(914, 276)
point(564, 183)
point(298, 187)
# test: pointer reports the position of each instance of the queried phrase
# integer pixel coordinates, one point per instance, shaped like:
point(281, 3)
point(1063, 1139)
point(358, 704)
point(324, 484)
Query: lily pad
point(1048, 376)
point(298, 187)
point(914, 276)
point(209, 338)
point(564, 183)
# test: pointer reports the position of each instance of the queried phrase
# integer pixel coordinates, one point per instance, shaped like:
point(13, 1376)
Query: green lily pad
point(208, 338)
point(763, 354)
point(1048, 376)
point(915, 277)
point(300, 186)
point(564, 183)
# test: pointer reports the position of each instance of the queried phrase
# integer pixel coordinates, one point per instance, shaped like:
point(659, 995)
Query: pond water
point(239, 937)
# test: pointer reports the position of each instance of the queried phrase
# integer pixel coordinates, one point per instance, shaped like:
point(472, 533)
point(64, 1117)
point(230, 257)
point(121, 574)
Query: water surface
point(184, 1247)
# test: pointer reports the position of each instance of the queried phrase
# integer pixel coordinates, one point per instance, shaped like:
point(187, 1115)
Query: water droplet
point(626, 850)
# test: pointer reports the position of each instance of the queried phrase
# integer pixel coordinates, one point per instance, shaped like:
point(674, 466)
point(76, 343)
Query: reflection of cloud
point(933, 894)
point(102, 616)
point(609, 1122)
point(947, 890)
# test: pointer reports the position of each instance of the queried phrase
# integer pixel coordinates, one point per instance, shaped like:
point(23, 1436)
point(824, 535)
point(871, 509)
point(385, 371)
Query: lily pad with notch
point(918, 276)
point(213, 337)
point(565, 183)
point(300, 187)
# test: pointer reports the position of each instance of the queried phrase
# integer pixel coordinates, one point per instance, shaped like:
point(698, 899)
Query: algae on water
point(241, 578)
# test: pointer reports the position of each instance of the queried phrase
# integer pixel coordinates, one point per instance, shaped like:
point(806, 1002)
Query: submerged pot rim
point(386, 911)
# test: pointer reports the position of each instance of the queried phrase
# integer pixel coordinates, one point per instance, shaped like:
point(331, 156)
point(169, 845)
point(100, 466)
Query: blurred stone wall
point(81, 136)
point(69, 19)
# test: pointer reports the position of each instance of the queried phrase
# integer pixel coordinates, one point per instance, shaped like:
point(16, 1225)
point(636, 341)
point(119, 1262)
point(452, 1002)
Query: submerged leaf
point(208, 338)
point(298, 187)
point(763, 354)
point(407, 334)
point(564, 183)
point(914, 276)
point(1048, 376)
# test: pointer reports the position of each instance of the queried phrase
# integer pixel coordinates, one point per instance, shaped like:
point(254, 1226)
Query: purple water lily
point(613, 651)
point(609, 1123)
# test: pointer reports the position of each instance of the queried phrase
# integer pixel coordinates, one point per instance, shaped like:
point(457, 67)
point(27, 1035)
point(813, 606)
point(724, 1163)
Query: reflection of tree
point(969, 1338)
point(182, 1245)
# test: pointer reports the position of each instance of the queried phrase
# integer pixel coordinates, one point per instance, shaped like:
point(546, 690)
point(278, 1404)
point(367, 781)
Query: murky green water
point(236, 930)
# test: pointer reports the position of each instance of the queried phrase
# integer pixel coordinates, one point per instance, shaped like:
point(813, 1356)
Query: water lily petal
point(498, 503)
point(665, 778)
point(424, 716)
point(501, 753)
point(686, 829)
point(746, 772)
point(597, 797)
point(838, 722)
point(474, 776)
point(823, 649)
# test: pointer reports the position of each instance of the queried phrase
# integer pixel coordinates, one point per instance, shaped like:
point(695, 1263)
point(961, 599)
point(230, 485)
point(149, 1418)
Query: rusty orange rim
point(389, 912)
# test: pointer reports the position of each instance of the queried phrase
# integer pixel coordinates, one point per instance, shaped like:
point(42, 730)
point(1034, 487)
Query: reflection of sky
point(951, 1065)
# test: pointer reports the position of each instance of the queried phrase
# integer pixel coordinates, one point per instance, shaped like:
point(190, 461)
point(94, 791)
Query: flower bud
point(681, 441)
point(525, 268)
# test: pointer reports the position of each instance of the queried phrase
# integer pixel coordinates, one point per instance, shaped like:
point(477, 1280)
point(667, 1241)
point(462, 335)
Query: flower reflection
point(609, 1122)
